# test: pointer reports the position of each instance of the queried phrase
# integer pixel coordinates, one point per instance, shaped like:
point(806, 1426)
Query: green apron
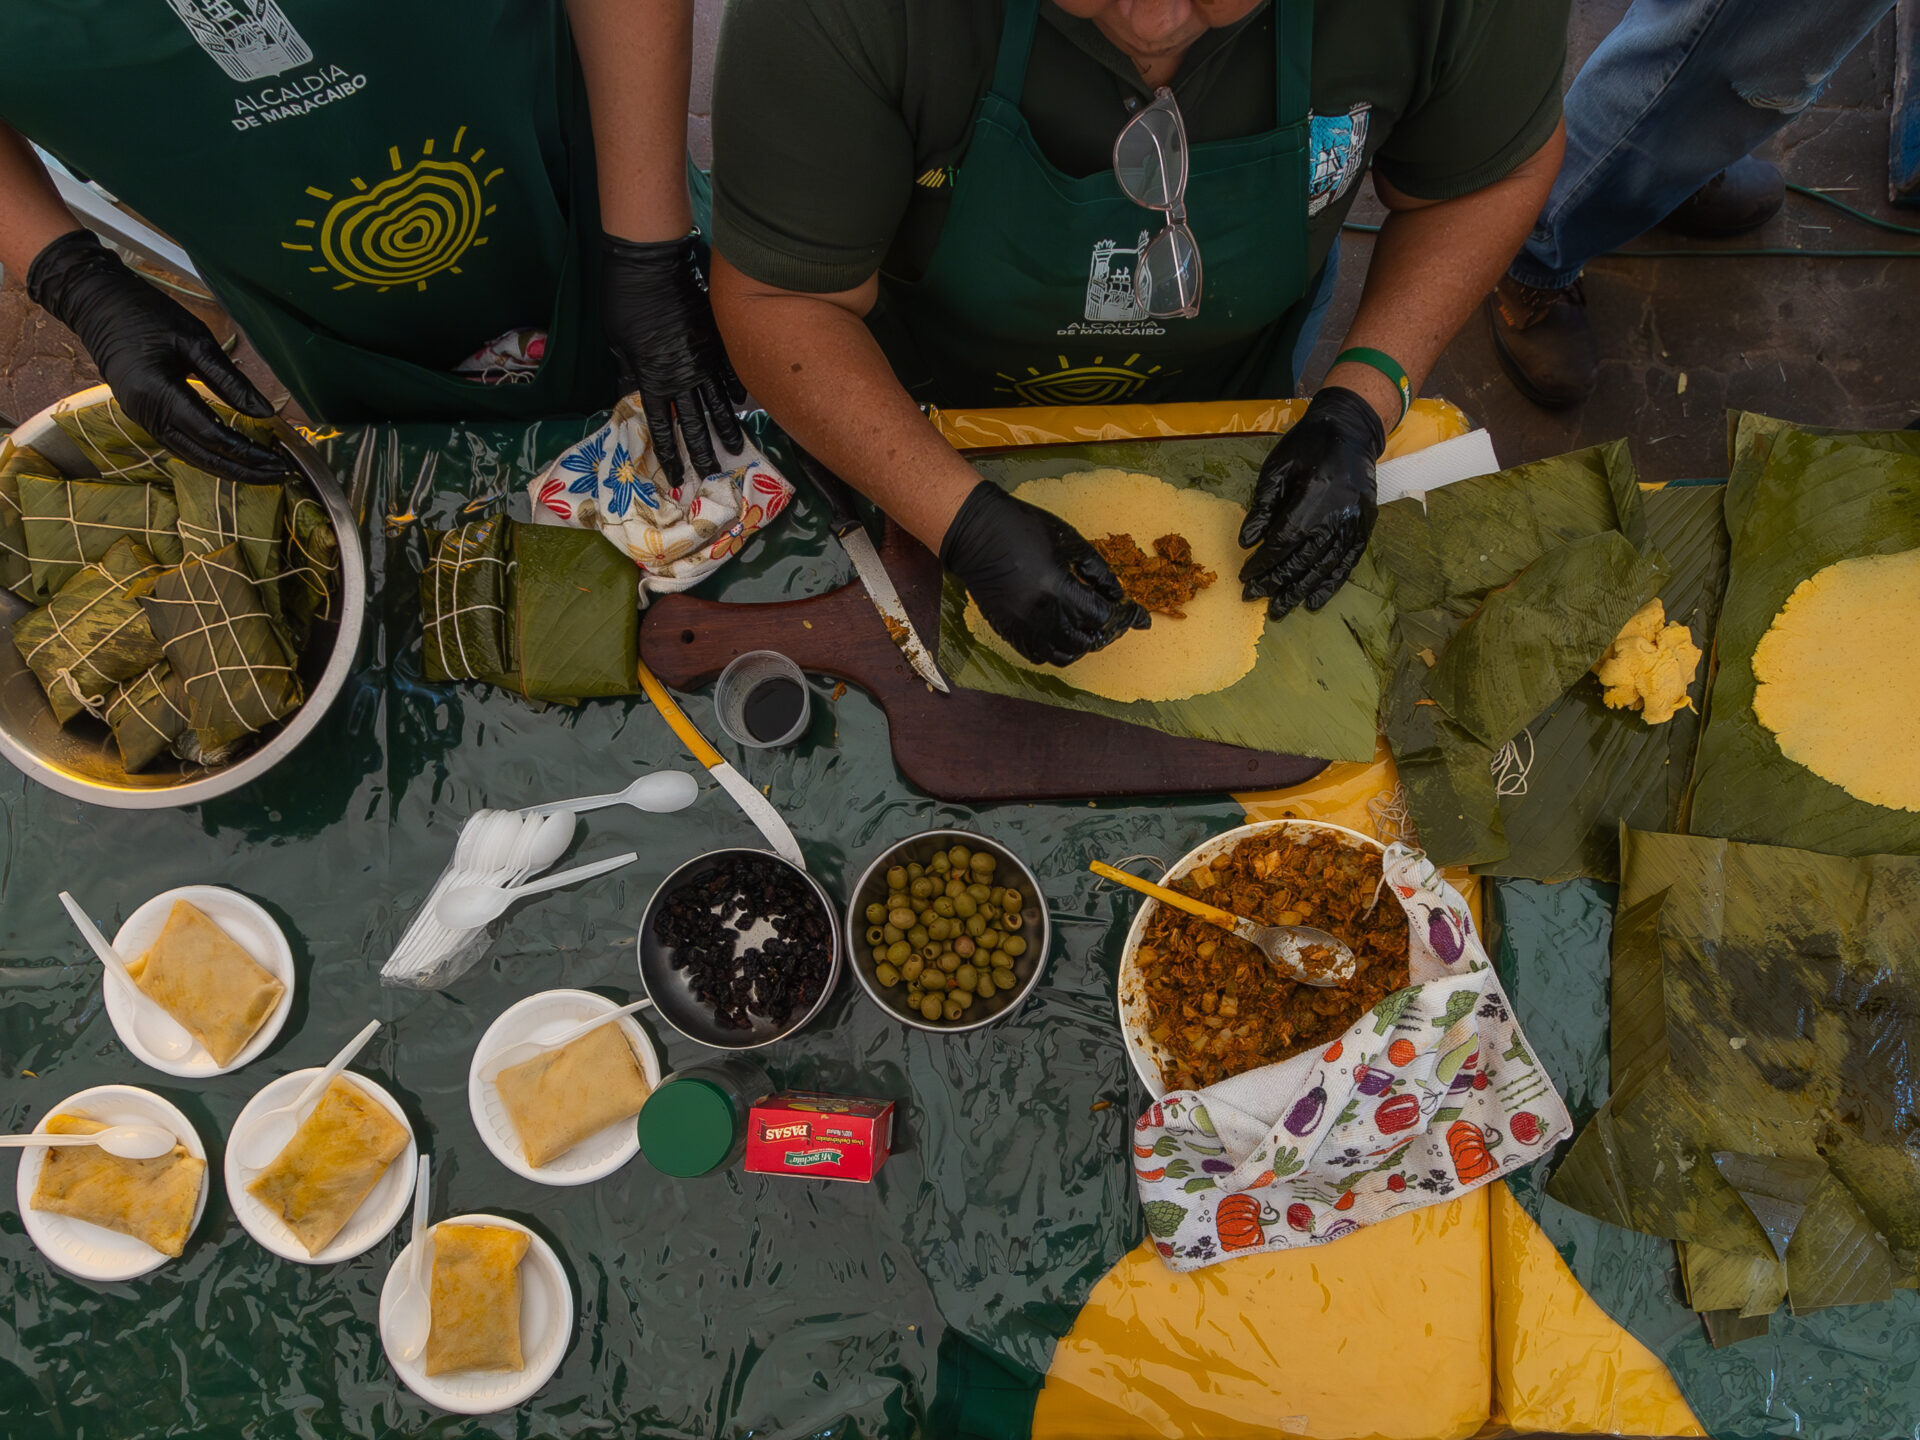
point(1028, 298)
point(373, 191)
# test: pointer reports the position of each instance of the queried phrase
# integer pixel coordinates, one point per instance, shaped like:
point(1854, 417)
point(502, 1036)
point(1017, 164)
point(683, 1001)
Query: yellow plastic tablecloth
point(1428, 1327)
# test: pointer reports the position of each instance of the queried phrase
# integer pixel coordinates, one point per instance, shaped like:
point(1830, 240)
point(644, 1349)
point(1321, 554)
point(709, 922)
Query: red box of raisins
point(826, 1137)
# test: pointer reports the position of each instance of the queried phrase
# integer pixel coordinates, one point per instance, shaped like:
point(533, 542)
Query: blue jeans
point(1679, 91)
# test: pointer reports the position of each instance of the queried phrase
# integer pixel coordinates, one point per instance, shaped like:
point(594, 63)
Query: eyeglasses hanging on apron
point(1150, 162)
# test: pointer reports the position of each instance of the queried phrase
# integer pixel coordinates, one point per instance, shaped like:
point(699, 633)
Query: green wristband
point(1386, 365)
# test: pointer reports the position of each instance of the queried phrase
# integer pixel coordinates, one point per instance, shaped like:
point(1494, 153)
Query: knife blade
point(758, 808)
point(852, 535)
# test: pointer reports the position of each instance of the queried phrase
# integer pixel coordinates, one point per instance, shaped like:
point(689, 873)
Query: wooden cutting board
point(966, 745)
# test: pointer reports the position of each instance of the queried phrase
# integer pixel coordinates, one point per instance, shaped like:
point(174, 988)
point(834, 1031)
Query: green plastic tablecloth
point(729, 1305)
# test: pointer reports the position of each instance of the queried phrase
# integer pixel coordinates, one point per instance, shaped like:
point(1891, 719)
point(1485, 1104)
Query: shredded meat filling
point(1161, 582)
point(1219, 1007)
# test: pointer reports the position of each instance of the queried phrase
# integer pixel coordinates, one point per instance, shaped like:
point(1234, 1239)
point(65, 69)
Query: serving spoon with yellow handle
point(1285, 945)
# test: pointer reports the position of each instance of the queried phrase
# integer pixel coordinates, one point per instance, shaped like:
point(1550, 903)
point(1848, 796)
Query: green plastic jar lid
point(687, 1127)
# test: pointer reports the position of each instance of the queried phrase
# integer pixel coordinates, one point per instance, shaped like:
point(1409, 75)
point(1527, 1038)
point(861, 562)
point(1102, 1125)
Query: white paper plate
point(249, 926)
point(385, 1203)
point(79, 1247)
point(546, 1324)
point(1136, 1016)
point(593, 1158)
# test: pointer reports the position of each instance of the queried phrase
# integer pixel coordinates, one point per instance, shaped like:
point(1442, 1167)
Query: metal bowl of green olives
point(974, 939)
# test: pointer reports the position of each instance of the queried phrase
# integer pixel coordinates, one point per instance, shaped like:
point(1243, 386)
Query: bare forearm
point(30, 210)
point(637, 59)
point(1431, 265)
point(812, 362)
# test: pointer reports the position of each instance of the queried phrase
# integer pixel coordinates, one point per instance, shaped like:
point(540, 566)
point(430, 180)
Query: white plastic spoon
point(273, 1130)
point(472, 906)
point(129, 1142)
point(158, 1031)
point(660, 792)
point(553, 1036)
point(412, 1310)
point(545, 841)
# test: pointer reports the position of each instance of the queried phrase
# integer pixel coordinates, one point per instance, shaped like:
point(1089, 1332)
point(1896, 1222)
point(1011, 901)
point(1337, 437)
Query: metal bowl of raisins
point(948, 931)
point(739, 948)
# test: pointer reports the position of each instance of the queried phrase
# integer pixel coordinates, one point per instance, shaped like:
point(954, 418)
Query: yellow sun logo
point(416, 223)
point(1095, 384)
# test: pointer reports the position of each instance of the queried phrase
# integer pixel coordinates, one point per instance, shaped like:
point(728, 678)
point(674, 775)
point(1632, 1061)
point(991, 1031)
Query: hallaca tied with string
point(71, 523)
point(232, 662)
point(149, 717)
point(16, 567)
point(466, 592)
point(92, 635)
point(121, 450)
point(311, 575)
point(215, 513)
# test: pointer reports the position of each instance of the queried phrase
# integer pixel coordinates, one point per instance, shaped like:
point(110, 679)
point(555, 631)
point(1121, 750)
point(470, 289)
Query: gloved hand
point(661, 327)
point(146, 345)
point(1313, 507)
point(1040, 585)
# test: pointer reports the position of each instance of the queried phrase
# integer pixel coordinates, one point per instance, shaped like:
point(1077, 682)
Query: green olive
point(912, 969)
point(953, 1009)
point(900, 918)
point(931, 1008)
point(965, 946)
point(965, 997)
point(896, 899)
point(981, 863)
point(976, 927)
point(959, 856)
point(943, 906)
point(966, 977)
point(980, 893)
point(955, 889)
point(887, 976)
point(876, 935)
point(876, 914)
point(936, 928)
point(915, 995)
point(940, 864)
point(984, 986)
point(896, 877)
point(921, 888)
point(1010, 900)
point(1015, 946)
point(932, 981)
point(917, 936)
point(964, 905)
point(890, 933)
point(991, 939)
point(899, 952)
point(915, 870)
point(950, 962)
point(1012, 920)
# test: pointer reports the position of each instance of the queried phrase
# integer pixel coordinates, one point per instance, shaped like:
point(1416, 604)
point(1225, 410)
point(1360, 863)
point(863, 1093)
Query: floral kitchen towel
point(678, 535)
point(1430, 1094)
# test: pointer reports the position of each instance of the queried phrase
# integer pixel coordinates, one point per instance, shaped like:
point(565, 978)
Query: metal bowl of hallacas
point(891, 989)
point(82, 758)
point(768, 959)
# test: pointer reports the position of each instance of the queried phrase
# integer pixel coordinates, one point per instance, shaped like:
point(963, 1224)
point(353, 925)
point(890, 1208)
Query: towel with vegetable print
point(1432, 1093)
point(677, 534)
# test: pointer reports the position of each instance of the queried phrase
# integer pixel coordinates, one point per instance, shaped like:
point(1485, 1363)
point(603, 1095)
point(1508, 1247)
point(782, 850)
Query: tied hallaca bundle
point(677, 534)
point(1432, 1093)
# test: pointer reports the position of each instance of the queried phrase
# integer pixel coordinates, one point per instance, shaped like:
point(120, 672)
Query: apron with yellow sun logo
point(374, 191)
point(1029, 297)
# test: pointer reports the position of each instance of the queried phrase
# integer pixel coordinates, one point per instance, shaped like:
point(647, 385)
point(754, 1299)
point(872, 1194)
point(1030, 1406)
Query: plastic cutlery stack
point(496, 848)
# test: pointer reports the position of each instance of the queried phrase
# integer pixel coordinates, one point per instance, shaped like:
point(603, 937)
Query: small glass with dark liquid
point(762, 700)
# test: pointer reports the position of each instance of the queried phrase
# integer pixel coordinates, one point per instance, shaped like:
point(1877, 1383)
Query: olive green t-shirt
point(835, 122)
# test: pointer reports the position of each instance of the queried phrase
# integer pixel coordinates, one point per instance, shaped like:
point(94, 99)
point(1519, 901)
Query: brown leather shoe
point(1742, 197)
point(1544, 341)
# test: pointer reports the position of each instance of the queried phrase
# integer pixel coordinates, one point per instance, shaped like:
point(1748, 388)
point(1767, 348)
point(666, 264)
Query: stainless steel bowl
point(673, 997)
point(873, 888)
point(81, 759)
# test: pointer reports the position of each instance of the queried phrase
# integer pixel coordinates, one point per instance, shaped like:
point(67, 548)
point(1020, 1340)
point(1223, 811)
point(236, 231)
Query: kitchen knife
point(759, 809)
point(852, 535)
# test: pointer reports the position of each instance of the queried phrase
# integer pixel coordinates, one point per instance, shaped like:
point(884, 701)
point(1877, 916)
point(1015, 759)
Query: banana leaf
point(1750, 438)
point(312, 568)
point(93, 634)
point(148, 717)
point(576, 615)
point(71, 523)
point(1816, 501)
point(1748, 1285)
point(1317, 686)
point(228, 654)
point(16, 565)
point(216, 513)
point(1533, 637)
point(1765, 1013)
point(1547, 804)
point(118, 449)
point(466, 598)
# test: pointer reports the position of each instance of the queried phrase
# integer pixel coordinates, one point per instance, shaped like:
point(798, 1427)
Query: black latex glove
point(661, 328)
point(146, 344)
point(1314, 505)
point(1040, 585)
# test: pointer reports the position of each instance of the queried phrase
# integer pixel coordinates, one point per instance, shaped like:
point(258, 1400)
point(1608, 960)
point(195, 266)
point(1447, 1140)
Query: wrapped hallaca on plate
point(234, 665)
point(312, 573)
point(71, 523)
point(148, 716)
point(121, 450)
point(466, 595)
point(93, 635)
point(16, 566)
